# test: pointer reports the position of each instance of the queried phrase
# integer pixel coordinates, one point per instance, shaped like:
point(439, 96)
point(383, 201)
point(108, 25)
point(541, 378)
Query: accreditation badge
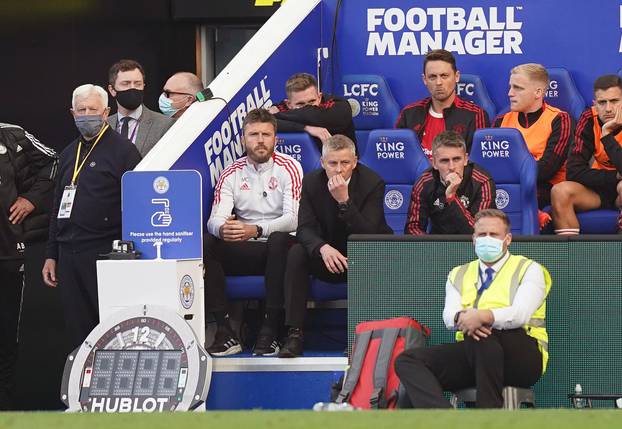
point(66, 202)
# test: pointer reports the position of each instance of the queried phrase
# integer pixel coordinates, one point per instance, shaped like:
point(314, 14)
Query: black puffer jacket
point(27, 169)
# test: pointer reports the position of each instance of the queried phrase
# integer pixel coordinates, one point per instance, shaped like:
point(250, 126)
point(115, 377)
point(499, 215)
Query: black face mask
point(130, 98)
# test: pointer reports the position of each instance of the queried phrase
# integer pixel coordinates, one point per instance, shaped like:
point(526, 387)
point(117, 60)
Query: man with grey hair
point(86, 214)
point(179, 93)
point(341, 198)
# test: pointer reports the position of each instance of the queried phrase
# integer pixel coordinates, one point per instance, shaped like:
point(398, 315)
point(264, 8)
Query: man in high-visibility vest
point(497, 305)
point(594, 177)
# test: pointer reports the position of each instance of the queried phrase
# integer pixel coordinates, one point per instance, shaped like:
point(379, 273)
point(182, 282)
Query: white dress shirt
point(529, 297)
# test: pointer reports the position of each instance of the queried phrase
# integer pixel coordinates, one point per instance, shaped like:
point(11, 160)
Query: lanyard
point(76, 168)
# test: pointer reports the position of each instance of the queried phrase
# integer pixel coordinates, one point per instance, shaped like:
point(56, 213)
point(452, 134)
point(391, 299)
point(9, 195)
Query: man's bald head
point(181, 90)
point(187, 81)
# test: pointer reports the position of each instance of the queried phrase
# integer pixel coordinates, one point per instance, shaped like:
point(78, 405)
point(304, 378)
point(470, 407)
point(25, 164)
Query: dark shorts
point(607, 197)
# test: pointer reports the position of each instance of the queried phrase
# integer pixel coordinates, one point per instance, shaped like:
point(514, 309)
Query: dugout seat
point(301, 147)
point(599, 221)
point(563, 92)
point(472, 88)
point(251, 288)
point(397, 157)
point(373, 104)
point(504, 154)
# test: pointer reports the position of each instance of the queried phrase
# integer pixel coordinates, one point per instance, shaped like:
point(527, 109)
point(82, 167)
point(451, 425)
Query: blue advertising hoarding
point(163, 206)
point(488, 38)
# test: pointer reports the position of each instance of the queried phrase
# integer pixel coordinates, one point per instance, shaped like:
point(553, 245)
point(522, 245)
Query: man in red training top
point(443, 110)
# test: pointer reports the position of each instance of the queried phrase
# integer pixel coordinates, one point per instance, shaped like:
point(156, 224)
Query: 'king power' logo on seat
point(494, 148)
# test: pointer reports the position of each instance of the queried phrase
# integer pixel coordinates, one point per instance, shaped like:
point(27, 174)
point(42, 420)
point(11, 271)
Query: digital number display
point(126, 373)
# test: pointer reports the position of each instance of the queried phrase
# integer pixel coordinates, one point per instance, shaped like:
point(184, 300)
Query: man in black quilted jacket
point(27, 170)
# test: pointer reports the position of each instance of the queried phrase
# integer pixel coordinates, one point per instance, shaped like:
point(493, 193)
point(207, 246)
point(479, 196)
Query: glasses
point(168, 93)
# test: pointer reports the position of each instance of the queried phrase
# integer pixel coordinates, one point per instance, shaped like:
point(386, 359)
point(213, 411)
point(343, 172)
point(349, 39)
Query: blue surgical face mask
point(488, 249)
point(166, 106)
point(89, 125)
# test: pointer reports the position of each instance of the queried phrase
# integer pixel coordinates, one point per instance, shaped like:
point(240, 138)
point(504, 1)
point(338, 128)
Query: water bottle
point(332, 406)
point(578, 402)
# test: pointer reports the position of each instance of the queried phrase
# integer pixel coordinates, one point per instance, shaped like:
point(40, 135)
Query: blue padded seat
point(472, 88)
point(301, 147)
point(252, 287)
point(324, 291)
point(563, 92)
point(397, 157)
point(599, 221)
point(504, 154)
point(373, 104)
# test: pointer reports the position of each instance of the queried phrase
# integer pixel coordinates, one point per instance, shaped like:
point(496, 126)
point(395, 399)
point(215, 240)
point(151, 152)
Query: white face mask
point(166, 106)
point(488, 249)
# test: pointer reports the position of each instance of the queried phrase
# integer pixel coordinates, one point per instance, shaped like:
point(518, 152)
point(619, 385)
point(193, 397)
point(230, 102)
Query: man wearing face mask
point(501, 338)
point(179, 93)
point(86, 214)
point(451, 192)
point(133, 120)
point(342, 198)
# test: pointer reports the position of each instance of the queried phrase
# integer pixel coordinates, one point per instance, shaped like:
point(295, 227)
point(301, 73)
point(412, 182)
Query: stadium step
point(244, 381)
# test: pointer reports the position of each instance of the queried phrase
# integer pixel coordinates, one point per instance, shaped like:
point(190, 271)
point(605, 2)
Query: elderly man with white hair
point(86, 213)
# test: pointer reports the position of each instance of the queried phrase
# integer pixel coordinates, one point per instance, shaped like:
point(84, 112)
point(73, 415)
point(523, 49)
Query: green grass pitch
point(462, 419)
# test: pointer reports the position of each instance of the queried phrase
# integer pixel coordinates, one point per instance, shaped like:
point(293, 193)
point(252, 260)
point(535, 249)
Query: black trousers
point(77, 280)
point(299, 266)
point(247, 258)
point(506, 358)
point(544, 194)
point(11, 285)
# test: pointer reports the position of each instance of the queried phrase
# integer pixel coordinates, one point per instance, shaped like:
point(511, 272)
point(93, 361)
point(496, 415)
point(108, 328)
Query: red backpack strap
point(352, 378)
point(381, 370)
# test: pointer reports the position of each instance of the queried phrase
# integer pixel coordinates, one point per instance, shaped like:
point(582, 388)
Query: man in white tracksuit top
point(255, 208)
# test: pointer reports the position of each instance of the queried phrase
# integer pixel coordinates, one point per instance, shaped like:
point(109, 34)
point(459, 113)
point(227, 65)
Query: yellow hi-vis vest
point(501, 293)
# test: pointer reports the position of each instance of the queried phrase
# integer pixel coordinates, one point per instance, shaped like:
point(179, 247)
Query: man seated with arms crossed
point(500, 323)
point(306, 109)
point(443, 110)
point(451, 192)
point(593, 184)
point(262, 190)
point(546, 129)
point(340, 199)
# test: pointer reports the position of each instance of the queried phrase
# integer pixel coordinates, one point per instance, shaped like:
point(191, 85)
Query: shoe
point(267, 343)
point(293, 344)
point(224, 344)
